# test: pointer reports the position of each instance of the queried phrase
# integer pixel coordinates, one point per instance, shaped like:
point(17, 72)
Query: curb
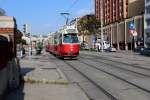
point(44, 81)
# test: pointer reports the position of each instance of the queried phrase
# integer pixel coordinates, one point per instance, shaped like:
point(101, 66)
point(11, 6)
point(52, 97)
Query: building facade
point(117, 15)
point(135, 7)
point(147, 23)
point(113, 10)
point(97, 10)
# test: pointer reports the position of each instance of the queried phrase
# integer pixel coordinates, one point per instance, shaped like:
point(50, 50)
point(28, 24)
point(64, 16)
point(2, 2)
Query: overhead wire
point(73, 4)
point(70, 7)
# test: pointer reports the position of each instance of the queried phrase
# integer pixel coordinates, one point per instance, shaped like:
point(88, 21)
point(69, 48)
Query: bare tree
point(2, 12)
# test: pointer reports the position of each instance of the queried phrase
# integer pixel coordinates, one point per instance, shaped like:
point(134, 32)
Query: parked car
point(85, 46)
point(138, 49)
point(145, 51)
point(111, 49)
point(106, 45)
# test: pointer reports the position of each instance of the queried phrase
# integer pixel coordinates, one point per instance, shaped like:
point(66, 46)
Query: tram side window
point(60, 39)
point(55, 40)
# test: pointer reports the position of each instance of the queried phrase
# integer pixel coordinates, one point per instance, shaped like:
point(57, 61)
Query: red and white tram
point(64, 43)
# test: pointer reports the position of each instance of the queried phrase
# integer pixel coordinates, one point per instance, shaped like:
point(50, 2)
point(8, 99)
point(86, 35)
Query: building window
point(148, 35)
point(148, 9)
point(148, 21)
point(147, 1)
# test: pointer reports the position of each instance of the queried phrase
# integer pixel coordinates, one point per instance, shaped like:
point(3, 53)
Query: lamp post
point(30, 48)
point(111, 36)
point(102, 49)
point(30, 43)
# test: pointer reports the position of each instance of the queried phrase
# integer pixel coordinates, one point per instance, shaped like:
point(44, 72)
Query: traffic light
point(25, 29)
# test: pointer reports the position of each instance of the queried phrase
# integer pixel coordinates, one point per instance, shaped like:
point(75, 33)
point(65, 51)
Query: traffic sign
point(131, 26)
point(131, 31)
point(134, 33)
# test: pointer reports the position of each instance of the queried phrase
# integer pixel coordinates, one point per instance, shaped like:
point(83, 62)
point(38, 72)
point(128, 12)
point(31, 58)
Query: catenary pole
point(102, 46)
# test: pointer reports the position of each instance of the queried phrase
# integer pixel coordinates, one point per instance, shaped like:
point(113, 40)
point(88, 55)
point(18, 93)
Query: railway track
point(121, 77)
point(113, 96)
point(62, 63)
point(98, 86)
point(122, 66)
point(114, 61)
point(114, 85)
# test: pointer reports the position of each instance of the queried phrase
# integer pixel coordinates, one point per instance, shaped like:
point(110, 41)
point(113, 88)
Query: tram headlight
point(71, 48)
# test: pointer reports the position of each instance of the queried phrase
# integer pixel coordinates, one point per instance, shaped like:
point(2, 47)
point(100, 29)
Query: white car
point(85, 46)
point(111, 49)
point(106, 45)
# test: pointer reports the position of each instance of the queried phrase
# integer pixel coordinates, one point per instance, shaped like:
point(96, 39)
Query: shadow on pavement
point(24, 71)
point(17, 94)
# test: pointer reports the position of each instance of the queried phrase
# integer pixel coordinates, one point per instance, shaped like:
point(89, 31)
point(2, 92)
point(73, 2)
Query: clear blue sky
point(43, 16)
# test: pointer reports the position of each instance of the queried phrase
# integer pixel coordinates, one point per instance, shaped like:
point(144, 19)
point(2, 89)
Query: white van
point(106, 45)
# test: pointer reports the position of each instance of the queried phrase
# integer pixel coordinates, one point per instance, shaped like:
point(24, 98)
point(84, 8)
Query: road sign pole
point(30, 44)
point(30, 48)
point(133, 33)
point(131, 42)
point(135, 46)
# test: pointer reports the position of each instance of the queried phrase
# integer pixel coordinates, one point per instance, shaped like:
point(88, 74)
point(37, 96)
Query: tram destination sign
point(71, 31)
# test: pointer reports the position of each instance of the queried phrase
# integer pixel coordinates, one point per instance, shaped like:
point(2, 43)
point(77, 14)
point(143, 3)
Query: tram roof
point(68, 29)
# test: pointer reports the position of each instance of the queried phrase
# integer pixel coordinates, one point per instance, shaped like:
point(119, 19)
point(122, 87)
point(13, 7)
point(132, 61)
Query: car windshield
point(70, 38)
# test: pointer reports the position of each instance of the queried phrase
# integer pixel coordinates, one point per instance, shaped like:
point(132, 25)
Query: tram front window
point(70, 38)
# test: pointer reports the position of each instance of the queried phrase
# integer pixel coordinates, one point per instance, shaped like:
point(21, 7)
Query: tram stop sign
point(131, 26)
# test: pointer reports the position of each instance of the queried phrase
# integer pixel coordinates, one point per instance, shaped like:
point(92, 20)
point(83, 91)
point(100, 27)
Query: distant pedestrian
point(39, 47)
point(98, 45)
point(22, 51)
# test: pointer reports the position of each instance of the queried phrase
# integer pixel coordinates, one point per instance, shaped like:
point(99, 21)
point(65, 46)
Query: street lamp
point(66, 16)
point(102, 49)
point(26, 31)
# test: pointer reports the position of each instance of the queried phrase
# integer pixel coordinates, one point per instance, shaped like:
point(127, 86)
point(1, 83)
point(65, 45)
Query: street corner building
point(117, 16)
point(9, 65)
point(147, 23)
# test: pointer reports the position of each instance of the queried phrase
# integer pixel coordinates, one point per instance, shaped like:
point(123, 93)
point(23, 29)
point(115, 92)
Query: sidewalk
point(45, 81)
point(40, 69)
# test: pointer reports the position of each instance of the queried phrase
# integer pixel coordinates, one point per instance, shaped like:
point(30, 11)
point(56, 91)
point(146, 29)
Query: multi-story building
point(97, 10)
point(113, 10)
point(147, 23)
point(135, 7)
point(116, 16)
